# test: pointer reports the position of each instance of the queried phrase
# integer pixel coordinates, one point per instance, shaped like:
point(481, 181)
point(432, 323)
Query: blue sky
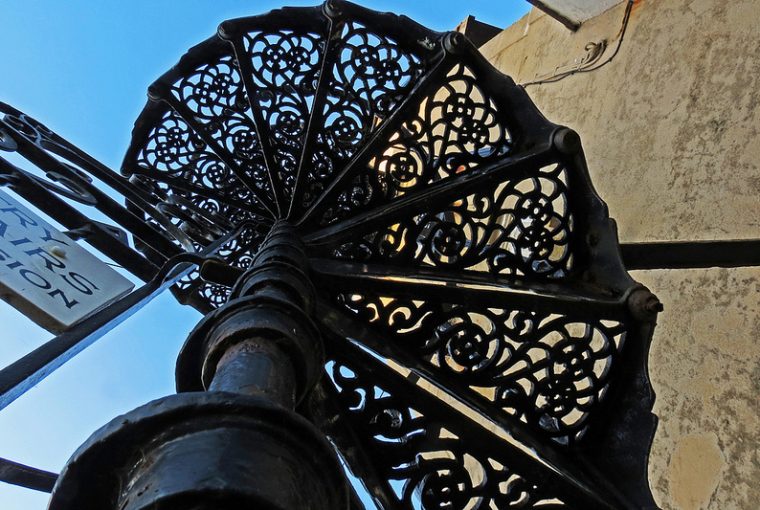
point(82, 67)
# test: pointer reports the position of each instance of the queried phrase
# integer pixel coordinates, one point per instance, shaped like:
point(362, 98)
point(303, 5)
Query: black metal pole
point(26, 476)
point(691, 254)
point(231, 438)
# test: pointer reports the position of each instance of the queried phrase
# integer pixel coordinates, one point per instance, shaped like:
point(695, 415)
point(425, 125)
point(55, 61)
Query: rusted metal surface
point(240, 443)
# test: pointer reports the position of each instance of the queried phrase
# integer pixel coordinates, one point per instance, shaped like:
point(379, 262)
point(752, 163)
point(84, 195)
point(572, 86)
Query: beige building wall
point(671, 130)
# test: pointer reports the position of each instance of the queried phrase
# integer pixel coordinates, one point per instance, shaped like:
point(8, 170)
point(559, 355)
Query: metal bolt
point(453, 42)
point(567, 141)
point(644, 305)
point(223, 30)
point(332, 8)
point(653, 305)
point(155, 92)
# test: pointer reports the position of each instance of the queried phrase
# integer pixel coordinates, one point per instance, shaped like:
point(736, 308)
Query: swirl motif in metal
point(446, 218)
point(437, 465)
point(547, 370)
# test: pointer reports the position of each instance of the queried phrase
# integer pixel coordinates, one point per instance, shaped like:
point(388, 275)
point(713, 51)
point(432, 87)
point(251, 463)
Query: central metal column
point(263, 341)
point(231, 438)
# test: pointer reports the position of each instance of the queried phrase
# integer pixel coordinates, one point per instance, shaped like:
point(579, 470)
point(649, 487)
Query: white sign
point(47, 275)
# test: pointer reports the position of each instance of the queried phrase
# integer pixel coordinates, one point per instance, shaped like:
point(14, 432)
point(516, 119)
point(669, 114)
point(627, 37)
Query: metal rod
point(257, 452)
point(425, 85)
point(438, 194)
point(691, 254)
point(485, 289)
point(161, 91)
point(316, 119)
point(262, 128)
point(26, 372)
point(186, 185)
point(26, 476)
point(103, 202)
point(50, 203)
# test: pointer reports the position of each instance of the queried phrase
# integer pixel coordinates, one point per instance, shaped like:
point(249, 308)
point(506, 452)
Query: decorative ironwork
point(548, 370)
point(451, 231)
point(520, 228)
point(391, 145)
point(431, 464)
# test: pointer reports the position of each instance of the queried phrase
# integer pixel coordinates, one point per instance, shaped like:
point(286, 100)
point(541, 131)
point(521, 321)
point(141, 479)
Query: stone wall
point(671, 130)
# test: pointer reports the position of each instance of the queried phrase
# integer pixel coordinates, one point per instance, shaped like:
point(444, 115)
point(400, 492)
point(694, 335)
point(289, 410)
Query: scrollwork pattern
point(286, 67)
point(549, 370)
point(522, 228)
point(78, 177)
point(429, 465)
point(371, 76)
point(215, 94)
point(172, 148)
point(456, 128)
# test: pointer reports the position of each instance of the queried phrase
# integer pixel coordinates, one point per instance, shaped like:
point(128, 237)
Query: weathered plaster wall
point(671, 129)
